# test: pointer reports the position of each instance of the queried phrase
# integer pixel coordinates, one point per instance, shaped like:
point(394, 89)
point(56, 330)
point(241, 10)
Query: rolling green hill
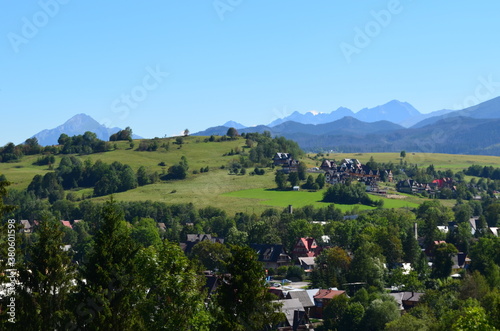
point(217, 188)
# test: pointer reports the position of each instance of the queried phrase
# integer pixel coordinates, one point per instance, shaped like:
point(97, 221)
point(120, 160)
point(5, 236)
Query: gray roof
point(307, 260)
point(303, 297)
point(26, 224)
point(399, 299)
point(288, 308)
point(311, 293)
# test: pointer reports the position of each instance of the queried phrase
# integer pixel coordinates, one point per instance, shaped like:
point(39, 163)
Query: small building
point(296, 316)
point(306, 247)
point(322, 299)
point(281, 159)
point(272, 255)
point(307, 263)
point(193, 239)
point(26, 226)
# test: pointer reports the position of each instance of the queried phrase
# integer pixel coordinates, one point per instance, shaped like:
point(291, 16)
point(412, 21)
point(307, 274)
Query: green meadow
point(234, 193)
point(274, 198)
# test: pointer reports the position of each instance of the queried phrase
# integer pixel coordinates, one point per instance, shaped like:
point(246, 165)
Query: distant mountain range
point(474, 130)
point(385, 128)
point(76, 125)
point(487, 109)
point(395, 111)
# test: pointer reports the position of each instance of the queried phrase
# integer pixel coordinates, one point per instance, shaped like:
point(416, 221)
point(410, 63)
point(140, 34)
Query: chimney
point(415, 230)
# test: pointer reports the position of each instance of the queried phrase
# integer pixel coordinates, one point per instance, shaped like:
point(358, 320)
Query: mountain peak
point(76, 125)
point(233, 124)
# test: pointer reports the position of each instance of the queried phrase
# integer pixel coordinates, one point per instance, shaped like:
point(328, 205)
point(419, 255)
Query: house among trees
point(411, 186)
point(296, 316)
point(441, 183)
point(406, 300)
point(306, 247)
point(193, 239)
point(271, 255)
point(67, 224)
point(26, 226)
point(286, 161)
point(322, 299)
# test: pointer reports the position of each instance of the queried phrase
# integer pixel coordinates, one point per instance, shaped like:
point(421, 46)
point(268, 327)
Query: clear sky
point(162, 66)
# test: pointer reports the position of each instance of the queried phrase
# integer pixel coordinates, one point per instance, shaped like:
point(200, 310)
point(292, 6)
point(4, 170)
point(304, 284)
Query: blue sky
point(163, 66)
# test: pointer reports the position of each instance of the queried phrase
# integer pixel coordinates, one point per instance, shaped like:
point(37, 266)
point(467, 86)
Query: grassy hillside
point(454, 162)
point(233, 193)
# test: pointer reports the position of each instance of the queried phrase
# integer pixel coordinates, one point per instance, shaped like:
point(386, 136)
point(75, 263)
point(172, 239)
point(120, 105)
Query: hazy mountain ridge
point(487, 109)
point(395, 111)
point(475, 130)
point(76, 125)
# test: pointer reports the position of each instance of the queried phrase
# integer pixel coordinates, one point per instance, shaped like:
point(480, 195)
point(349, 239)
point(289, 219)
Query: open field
point(230, 192)
point(271, 197)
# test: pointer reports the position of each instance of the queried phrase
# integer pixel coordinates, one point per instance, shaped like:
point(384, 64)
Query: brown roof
point(67, 224)
point(328, 294)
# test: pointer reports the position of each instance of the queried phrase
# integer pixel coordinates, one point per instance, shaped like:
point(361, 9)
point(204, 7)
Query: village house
point(193, 239)
point(286, 161)
point(352, 169)
point(272, 256)
point(306, 247)
point(296, 316)
point(321, 299)
point(411, 186)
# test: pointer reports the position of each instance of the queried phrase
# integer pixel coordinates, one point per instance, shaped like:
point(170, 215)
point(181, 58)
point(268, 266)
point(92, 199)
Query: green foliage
point(87, 143)
point(332, 267)
point(45, 160)
point(145, 233)
point(46, 278)
point(125, 134)
point(280, 180)
point(380, 312)
point(10, 153)
point(302, 171)
point(295, 273)
point(245, 303)
point(267, 147)
point(348, 193)
point(112, 285)
point(178, 171)
point(441, 266)
point(293, 178)
point(175, 299)
point(150, 145)
point(213, 256)
point(232, 133)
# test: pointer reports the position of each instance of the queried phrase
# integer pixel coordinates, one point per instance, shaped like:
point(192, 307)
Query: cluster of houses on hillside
point(412, 186)
point(353, 169)
point(347, 169)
